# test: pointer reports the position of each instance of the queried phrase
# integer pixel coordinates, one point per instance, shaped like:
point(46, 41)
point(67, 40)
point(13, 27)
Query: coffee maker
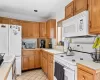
point(42, 43)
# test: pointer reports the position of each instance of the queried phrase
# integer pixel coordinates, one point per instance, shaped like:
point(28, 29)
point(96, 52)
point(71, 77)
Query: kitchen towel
point(59, 71)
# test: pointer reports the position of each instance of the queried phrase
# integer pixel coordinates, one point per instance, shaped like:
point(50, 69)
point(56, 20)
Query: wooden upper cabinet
point(80, 5)
point(69, 10)
point(42, 29)
point(30, 29)
point(15, 22)
point(4, 20)
point(36, 29)
point(48, 29)
point(24, 29)
point(51, 28)
point(94, 15)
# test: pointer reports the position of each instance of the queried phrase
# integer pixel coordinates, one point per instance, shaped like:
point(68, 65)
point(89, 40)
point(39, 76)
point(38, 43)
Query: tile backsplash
point(83, 40)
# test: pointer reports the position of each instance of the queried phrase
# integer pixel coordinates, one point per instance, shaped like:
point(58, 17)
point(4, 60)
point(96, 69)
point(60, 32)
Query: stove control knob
point(81, 58)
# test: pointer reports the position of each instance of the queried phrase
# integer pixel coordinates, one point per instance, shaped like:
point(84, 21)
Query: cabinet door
point(50, 66)
point(36, 30)
point(94, 13)
point(24, 29)
point(48, 29)
point(25, 62)
point(37, 59)
point(31, 61)
point(30, 30)
point(45, 65)
point(69, 11)
point(41, 54)
point(82, 75)
point(51, 28)
point(50, 71)
point(43, 30)
point(80, 5)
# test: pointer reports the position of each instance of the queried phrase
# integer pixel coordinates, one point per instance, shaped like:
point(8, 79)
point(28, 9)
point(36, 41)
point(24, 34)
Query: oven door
point(69, 74)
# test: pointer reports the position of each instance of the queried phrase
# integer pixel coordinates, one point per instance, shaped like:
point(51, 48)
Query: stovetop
point(73, 60)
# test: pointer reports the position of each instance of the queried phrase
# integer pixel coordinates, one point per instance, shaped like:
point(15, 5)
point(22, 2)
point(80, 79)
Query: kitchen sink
point(8, 58)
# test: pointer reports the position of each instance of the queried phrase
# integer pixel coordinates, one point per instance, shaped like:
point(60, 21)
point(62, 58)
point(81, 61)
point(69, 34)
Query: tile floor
point(33, 75)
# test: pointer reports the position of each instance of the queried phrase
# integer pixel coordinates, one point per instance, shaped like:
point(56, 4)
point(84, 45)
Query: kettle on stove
point(69, 52)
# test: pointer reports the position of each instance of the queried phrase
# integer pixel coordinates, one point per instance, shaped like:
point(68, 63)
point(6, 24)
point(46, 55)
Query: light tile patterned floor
point(33, 75)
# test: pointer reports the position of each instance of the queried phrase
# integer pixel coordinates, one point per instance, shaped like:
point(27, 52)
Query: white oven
point(76, 25)
point(69, 74)
point(70, 70)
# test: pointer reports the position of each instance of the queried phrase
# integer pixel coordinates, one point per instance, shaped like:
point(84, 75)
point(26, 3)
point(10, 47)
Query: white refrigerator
point(10, 42)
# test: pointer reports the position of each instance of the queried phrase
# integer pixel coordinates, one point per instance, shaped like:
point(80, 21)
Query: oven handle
point(68, 70)
point(60, 63)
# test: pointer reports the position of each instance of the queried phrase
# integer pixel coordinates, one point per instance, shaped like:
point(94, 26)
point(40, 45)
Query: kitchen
point(54, 43)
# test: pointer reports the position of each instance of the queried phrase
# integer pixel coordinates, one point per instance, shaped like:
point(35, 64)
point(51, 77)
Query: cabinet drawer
point(28, 52)
point(50, 58)
point(45, 54)
point(82, 75)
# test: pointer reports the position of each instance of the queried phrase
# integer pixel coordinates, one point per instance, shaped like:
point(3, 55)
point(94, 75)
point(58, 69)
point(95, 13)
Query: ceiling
point(46, 8)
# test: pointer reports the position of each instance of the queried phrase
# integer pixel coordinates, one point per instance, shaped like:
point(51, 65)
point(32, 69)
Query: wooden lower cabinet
point(25, 62)
point(83, 75)
point(50, 66)
point(86, 73)
point(30, 59)
point(45, 65)
point(37, 59)
point(50, 71)
point(31, 62)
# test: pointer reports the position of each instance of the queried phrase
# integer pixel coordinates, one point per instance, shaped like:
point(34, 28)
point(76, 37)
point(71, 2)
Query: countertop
point(5, 69)
point(90, 64)
point(32, 49)
point(53, 51)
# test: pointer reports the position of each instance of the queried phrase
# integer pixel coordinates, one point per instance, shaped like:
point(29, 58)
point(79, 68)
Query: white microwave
point(76, 25)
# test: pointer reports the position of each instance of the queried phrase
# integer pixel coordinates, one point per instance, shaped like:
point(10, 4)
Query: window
point(59, 34)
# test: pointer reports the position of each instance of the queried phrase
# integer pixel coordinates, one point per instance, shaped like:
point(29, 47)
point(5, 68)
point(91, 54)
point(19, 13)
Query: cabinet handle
point(83, 77)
